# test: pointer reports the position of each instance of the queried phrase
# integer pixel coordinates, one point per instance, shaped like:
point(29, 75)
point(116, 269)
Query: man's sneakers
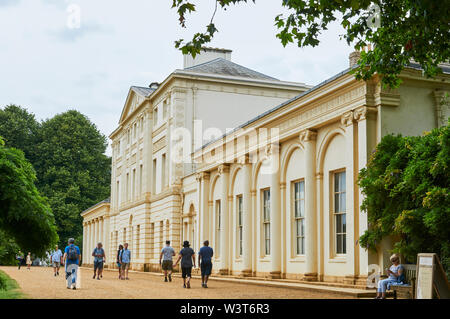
point(188, 285)
point(165, 279)
point(204, 285)
point(184, 285)
point(170, 278)
point(55, 274)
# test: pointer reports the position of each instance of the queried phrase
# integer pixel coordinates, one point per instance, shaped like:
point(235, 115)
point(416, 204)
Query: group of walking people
point(71, 259)
point(21, 260)
point(187, 258)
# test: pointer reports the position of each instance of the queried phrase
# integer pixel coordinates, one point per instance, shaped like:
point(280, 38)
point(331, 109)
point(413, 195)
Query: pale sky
point(49, 68)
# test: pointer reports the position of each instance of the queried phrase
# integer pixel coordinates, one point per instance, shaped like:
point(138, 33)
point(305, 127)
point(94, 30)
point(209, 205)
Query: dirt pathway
point(39, 282)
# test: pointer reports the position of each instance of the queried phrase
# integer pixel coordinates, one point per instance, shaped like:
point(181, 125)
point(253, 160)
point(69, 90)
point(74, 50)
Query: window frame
point(339, 192)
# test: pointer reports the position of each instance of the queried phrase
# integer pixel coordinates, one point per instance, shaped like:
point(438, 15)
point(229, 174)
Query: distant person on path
point(29, 262)
point(119, 256)
point(396, 276)
point(72, 256)
point(56, 259)
point(99, 259)
point(204, 260)
point(187, 256)
point(167, 263)
point(125, 261)
point(19, 258)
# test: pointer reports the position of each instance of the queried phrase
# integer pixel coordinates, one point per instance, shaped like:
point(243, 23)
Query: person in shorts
point(187, 256)
point(166, 255)
point(55, 259)
point(204, 260)
point(71, 259)
point(99, 259)
point(125, 259)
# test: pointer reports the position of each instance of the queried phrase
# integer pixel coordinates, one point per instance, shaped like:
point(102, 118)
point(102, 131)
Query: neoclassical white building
point(277, 196)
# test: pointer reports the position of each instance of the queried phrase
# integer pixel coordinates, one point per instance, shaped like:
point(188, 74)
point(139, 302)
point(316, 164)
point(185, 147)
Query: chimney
point(206, 54)
point(353, 58)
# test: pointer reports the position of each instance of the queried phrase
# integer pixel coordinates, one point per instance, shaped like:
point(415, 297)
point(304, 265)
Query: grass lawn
point(9, 289)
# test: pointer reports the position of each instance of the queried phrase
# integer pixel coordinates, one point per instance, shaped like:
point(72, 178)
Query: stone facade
point(300, 220)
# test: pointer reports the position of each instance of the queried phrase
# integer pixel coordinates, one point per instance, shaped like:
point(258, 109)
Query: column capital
point(244, 159)
point(282, 185)
point(271, 148)
point(308, 135)
point(202, 176)
point(319, 176)
point(224, 168)
point(364, 112)
point(347, 118)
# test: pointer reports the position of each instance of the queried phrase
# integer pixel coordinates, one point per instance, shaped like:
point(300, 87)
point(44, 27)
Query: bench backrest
point(410, 272)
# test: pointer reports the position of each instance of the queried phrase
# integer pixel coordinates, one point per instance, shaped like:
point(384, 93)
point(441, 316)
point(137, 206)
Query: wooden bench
point(407, 291)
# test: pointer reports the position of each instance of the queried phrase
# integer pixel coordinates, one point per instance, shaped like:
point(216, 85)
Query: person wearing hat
point(396, 276)
point(187, 256)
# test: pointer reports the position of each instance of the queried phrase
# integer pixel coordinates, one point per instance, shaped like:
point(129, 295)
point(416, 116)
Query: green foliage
point(24, 214)
point(398, 30)
point(406, 188)
point(8, 250)
point(9, 289)
point(67, 153)
point(74, 172)
point(19, 129)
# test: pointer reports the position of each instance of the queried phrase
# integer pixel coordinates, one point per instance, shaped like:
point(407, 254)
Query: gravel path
point(39, 282)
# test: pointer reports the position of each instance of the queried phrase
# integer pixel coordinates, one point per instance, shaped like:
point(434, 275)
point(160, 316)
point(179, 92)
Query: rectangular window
point(133, 193)
point(299, 216)
point(117, 194)
point(340, 212)
point(155, 117)
point(138, 237)
point(154, 177)
point(127, 191)
point(140, 179)
point(163, 172)
point(240, 223)
point(266, 221)
point(218, 226)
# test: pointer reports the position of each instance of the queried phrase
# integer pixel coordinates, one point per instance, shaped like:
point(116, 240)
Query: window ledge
point(264, 259)
point(297, 259)
point(338, 259)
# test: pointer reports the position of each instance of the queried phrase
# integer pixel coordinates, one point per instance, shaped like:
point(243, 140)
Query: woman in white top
point(395, 273)
point(29, 261)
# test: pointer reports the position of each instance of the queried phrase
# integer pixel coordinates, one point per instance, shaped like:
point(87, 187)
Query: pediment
point(134, 99)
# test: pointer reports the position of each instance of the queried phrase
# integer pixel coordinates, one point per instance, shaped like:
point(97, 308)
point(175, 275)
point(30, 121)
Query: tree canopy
point(397, 31)
point(406, 184)
point(67, 153)
point(74, 172)
point(25, 215)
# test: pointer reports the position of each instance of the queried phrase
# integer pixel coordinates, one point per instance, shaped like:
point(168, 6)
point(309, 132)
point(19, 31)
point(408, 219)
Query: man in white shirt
point(55, 259)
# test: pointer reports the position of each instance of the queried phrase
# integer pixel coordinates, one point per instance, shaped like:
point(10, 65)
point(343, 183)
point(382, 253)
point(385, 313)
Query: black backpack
point(72, 254)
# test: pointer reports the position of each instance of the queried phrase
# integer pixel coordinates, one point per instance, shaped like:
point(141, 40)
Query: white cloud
point(49, 68)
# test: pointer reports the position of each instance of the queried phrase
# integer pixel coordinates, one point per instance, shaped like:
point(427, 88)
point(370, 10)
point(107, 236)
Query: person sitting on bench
point(396, 276)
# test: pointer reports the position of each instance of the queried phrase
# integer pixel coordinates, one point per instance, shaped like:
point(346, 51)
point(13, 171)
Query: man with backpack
point(72, 256)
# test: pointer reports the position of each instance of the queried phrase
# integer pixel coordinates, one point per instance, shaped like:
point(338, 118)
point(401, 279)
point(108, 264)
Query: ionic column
point(203, 206)
point(352, 223)
point(308, 138)
point(275, 213)
point(247, 214)
point(83, 259)
point(367, 141)
point(224, 171)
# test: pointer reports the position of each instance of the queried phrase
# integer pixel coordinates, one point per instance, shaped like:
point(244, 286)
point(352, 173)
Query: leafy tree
point(19, 129)
point(406, 184)
point(74, 172)
point(25, 215)
point(398, 30)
